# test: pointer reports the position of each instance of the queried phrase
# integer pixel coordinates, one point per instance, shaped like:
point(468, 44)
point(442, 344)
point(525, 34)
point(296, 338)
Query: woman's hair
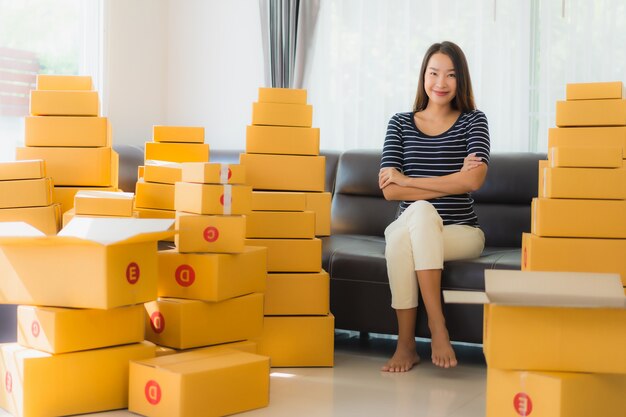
point(464, 97)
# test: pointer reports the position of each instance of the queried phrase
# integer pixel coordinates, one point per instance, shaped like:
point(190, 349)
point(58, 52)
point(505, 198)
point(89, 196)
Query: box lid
point(103, 231)
point(104, 194)
point(168, 164)
point(545, 289)
point(201, 360)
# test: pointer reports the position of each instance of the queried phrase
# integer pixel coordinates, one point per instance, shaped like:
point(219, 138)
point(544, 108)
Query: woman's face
point(440, 79)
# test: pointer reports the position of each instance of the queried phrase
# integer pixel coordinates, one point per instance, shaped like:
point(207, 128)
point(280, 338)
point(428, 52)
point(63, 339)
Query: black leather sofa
point(354, 253)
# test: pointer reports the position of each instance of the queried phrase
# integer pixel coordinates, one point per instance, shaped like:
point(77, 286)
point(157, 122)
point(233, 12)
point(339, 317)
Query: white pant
point(418, 240)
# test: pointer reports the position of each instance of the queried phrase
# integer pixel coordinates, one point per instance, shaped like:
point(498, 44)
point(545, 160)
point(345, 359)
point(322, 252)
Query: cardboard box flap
point(168, 164)
point(104, 194)
point(118, 230)
point(200, 361)
point(22, 229)
point(548, 289)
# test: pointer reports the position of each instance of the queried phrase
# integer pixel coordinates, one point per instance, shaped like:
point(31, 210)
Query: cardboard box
point(291, 255)
point(588, 136)
point(213, 198)
point(199, 383)
point(154, 195)
point(578, 218)
point(62, 330)
point(64, 82)
point(280, 224)
point(320, 204)
point(39, 384)
point(178, 134)
point(551, 321)
point(282, 95)
point(585, 183)
point(591, 113)
point(65, 195)
point(585, 157)
point(243, 346)
point(593, 91)
point(177, 152)
point(161, 171)
point(278, 201)
point(22, 170)
point(71, 213)
point(63, 103)
point(298, 341)
point(46, 219)
point(282, 140)
point(212, 276)
point(67, 131)
point(77, 166)
point(210, 233)
point(282, 114)
point(213, 173)
point(26, 193)
point(554, 394)
point(297, 294)
point(184, 324)
point(284, 172)
point(104, 203)
point(109, 262)
point(543, 164)
point(148, 213)
point(574, 255)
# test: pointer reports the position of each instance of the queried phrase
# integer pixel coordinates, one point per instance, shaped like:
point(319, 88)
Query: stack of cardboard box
point(101, 204)
point(579, 219)
point(554, 341)
point(65, 131)
point(26, 195)
point(210, 294)
point(289, 208)
point(170, 146)
point(82, 317)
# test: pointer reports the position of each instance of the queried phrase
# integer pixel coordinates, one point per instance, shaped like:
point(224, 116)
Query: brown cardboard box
point(282, 95)
point(297, 294)
point(282, 140)
point(284, 172)
point(591, 113)
point(282, 114)
point(46, 219)
point(594, 91)
point(212, 198)
point(210, 233)
point(179, 134)
point(22, 170)
point(64, 82)
point(177, 152)
point(63, 103)
point(69, 131)
point(291, 255)
point(25, 193)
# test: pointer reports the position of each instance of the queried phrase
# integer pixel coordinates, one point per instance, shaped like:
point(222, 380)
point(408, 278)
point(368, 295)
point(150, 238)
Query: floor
point(356, 387)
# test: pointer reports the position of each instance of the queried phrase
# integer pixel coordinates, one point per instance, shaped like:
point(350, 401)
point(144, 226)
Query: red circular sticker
point(525, 257)
point(211, 234)
point(230, 173)
point(157, 322)
point(35, 328)
point(523, 404)
point(222, 199)
point(185, 275)
point(153, 392)
point(8, 382)
point(132, 273)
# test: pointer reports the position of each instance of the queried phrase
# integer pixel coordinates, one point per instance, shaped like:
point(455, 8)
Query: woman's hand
point(388, 176)
point(470, 162)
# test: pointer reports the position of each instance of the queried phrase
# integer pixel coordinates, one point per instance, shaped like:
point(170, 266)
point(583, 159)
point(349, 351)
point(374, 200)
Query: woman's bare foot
point(442, 352)
point(403, 359)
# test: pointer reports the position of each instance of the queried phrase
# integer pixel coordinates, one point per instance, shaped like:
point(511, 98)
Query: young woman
point(433, 157)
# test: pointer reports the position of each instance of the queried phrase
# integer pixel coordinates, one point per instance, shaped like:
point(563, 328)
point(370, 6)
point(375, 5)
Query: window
point(41, 37)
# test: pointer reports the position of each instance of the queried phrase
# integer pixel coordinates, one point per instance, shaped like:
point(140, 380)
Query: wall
point(183, 62)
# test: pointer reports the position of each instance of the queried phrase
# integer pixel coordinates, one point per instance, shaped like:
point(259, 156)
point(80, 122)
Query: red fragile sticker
point(153, 392)
point(35, 328)
point(230, 173)
point(525, 257)
point(211, 234)
point(8, 382)
point(157, 322)
point(222, 199)
point(185, 275)
point(523, 404)
point(132, 273)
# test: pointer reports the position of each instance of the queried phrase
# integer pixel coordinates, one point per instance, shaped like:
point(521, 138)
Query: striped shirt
point(418, 155)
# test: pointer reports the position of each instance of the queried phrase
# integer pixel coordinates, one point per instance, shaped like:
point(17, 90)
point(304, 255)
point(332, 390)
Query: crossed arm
point(397, 186)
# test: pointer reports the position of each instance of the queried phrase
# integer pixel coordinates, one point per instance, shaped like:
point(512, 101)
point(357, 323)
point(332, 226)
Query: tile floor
point(356, 387)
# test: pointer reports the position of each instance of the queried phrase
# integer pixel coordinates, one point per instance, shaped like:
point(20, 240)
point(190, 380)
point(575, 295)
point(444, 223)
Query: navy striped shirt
point(418, 155)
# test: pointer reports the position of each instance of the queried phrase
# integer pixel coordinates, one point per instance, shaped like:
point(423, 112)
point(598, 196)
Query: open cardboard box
point(92, 263)
point(551, 321)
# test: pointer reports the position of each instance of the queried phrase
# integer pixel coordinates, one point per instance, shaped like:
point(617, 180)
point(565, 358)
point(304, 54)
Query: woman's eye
point(452, 75)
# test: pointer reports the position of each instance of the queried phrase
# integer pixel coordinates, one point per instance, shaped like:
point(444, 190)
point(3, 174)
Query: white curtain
point(368, 53)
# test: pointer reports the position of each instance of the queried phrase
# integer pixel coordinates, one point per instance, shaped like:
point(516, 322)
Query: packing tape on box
point(228, 197)
point(224, 169)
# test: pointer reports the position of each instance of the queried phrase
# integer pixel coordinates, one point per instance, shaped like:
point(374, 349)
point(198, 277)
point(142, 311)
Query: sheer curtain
point(368, 55)
point(521, 54)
